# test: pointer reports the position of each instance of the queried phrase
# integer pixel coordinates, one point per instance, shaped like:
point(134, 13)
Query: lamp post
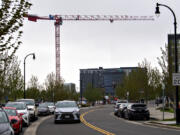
point(176, 56)
point(33, 54)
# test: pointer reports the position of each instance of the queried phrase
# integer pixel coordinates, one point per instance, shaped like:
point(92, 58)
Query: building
point(103, 78)
point(171, 52)
point(70, 86)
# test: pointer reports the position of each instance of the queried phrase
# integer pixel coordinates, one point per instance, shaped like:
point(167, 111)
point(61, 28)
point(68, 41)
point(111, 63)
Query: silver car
point(51, 106)
point(66, 111)
point(5, 125)
point(31, 107)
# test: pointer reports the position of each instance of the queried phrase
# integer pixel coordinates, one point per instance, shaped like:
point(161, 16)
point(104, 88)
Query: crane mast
point(60, 18)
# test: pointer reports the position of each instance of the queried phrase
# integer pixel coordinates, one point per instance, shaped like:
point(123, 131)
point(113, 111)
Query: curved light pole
point(176, 57)
point(33, 54)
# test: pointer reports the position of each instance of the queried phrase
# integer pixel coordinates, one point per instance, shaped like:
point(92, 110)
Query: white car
point(51, 106)
point(116, 107)
point(66, 111)
point(31, 107)
point(22, 110)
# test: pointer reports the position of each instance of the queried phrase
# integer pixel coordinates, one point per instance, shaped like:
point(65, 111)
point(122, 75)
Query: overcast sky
point(94, 44)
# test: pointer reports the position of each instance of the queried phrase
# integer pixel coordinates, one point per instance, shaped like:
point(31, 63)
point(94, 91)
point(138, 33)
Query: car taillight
point(21, 114)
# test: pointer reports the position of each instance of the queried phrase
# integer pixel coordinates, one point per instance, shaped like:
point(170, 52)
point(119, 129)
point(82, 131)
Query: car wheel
point(20, 130)
point(78, 121)
point(28, 123)
point(125, 115)
point(120, 114)
point(147, 118)
point(34, 117)
point(130, 117)
point(55, 122)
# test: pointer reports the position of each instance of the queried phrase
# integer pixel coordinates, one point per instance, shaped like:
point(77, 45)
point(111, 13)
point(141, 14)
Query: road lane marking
point(92, 126)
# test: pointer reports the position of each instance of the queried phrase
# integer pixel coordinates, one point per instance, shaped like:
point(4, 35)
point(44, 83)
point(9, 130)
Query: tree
point(154, 78)
point(135, 83)
point(33, 90)
point(11, 79)
point(50, 83)
point(166, 72)
point(142, 83)
point(15, 79)
point(11, 20)
point(93, 94)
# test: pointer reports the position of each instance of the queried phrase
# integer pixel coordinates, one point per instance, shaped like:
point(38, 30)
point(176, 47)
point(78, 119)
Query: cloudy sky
point(94, 44)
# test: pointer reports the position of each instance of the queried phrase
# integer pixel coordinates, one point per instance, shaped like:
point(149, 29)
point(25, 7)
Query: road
point(100, 121)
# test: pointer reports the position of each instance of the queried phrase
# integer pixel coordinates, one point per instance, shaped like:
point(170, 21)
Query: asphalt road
point(103, 119)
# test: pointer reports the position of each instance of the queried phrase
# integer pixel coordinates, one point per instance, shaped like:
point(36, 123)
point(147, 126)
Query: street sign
point(176, 79)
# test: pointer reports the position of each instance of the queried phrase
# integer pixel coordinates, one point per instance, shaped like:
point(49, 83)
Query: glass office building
point(103, 78)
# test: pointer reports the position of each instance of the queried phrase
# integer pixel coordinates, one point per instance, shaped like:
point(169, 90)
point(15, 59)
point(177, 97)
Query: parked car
point(118, 103)
point(51, 106)
point(31, 107)
point(120, 111)
point(116, 107)
point(136, 111)
point(22, 110)
point(15, 119)
point(43, 109)
point(5, 125)
point(66, 111)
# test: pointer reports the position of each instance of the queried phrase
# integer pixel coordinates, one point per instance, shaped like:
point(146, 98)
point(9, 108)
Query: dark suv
point(5, 125)
point(136, 111)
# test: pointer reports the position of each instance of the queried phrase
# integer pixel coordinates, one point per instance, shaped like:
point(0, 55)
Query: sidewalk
point(158, 115)
point(157, 118)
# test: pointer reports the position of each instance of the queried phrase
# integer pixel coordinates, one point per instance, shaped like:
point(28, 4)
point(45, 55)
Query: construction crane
point(60, 18)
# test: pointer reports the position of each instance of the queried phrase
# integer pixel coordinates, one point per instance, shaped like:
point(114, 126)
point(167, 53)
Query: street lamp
point(157, 12)
point(33, 54)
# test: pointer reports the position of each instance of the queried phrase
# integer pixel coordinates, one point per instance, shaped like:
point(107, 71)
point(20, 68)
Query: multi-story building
point(70, 86)
point(103, 78)
point(171, 53)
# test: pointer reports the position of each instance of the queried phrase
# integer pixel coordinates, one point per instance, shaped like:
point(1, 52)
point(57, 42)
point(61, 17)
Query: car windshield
point(18, 106)
point(50, 104)
point(124, 105)
point(3, 117)
point(139, 106)
point(28, 102)
point(66, 104)
point(42, 105)
point(10, 112)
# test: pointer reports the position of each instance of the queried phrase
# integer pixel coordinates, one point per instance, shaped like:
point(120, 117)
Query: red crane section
point(60, 18)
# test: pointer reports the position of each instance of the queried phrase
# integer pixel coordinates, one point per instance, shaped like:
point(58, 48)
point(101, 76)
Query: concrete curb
point(31, 130)
point(157, 124)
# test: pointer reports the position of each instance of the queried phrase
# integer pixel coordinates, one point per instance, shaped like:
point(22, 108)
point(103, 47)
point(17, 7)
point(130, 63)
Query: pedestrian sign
point(176, 79)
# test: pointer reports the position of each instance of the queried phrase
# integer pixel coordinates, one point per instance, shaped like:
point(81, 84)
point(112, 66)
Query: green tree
point(11, 20)
point(135, 83)
point(145, 82)
point(11, 83)
point(15, 79)
point(33, 90)
point(93, 94)
point(166, 72)
point(154, 78)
